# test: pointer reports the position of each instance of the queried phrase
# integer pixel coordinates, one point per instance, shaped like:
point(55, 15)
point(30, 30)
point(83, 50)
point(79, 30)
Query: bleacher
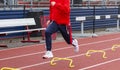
point(75, 11)
point(10, 14)
point(87, 12)
point(89, 24)
point(34, 4)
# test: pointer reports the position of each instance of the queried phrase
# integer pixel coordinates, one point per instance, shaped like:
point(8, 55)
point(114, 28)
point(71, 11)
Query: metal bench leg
point(29, 40)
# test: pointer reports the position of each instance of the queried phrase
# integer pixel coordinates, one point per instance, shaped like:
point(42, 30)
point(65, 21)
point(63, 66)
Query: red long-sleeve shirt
point(60, 12)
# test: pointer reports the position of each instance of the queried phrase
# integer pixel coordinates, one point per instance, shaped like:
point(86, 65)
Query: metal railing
point(88, 3)
point(45, 3)
point(12, 7)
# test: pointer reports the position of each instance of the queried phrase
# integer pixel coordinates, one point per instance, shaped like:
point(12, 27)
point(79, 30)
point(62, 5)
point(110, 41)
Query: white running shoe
point(75, 44)
point(48, 54)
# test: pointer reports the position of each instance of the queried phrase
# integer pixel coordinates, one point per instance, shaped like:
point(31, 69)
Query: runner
point(59, 21)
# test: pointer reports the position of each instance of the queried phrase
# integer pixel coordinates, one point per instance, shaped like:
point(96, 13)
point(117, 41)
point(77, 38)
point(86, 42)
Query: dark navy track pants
point(52, 28)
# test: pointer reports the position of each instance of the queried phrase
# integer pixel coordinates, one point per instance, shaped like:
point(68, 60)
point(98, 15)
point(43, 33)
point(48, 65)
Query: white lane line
point(38, 64)
point(15, 48)
point(57, 49)
point(103, 63)
point(30, 54)
point(39, 44)
point(23, 47)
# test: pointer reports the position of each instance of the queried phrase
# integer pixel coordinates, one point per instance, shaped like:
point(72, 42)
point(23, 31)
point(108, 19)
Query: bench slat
point(17, 22)
point(18, 31)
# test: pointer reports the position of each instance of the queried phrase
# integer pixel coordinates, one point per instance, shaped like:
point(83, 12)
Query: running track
point(30, 57)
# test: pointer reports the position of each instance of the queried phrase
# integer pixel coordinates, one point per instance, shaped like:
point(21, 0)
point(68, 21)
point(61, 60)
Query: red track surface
point(30, 57)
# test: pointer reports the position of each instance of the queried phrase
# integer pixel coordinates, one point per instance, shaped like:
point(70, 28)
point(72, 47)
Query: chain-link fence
point(94, 2)
point(45, 3)
point(73, 2)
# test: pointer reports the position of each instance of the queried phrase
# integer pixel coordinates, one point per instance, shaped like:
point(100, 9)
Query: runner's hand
point(53, 3)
